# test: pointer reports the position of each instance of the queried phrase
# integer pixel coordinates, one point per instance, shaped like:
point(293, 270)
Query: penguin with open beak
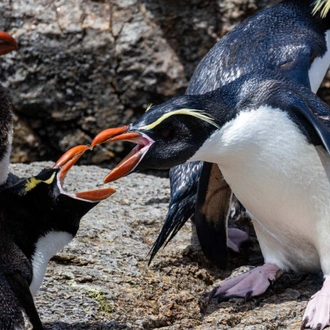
point(292, 37)
point(37, 219)
point(270, 137)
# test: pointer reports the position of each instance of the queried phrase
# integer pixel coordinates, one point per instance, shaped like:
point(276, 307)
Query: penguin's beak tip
point(107, 135)
point(64, 164)
point(132, 160)
point(7, 43)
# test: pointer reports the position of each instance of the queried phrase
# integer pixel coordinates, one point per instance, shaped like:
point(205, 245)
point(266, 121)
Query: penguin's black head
point(41, 202)
point(166, 135)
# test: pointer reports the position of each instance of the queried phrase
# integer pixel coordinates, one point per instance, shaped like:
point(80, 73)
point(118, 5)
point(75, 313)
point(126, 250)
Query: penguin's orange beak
point(129, 163)
point(66, 161)
point(7, 43)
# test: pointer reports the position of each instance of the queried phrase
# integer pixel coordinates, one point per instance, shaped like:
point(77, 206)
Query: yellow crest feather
point(32, 182)
point(149, 107)
point(318, 4)
point(200, 114)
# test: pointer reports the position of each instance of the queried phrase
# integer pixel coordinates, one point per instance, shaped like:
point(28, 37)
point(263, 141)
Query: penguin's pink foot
point(317, 313)
point(250, 284)
point(236, 239)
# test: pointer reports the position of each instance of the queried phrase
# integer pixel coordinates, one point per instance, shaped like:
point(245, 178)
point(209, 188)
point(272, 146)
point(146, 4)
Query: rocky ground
point(102, 280)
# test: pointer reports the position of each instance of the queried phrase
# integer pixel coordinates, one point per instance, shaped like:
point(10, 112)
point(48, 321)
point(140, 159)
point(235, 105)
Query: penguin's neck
point(320, 66)
point(265, 157)
point(254, 134)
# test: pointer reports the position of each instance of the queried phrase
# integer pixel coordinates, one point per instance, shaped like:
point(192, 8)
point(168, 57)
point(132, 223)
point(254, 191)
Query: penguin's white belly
point(46, 247)
point(282, 180)
point(319, 67)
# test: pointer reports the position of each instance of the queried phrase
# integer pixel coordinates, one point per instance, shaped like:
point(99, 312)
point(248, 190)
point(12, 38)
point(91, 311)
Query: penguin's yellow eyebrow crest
point(188, 112)
point(318, 4)
point(149, 107)
point(33, 182)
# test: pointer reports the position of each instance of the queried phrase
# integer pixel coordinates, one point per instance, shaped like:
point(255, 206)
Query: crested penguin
point(270, 137)
point(292, 37)
point(37, 219)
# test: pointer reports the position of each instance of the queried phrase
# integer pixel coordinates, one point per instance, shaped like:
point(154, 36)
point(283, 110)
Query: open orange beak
point(7, 43)
point(129, 163)
point(65, 162)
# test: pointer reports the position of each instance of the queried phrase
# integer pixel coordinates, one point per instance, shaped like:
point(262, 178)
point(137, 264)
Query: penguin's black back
point(298, 39)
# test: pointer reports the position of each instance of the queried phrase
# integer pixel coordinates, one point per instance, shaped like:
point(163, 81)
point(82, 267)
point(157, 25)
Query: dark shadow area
point(192, 27)
point(111, 325)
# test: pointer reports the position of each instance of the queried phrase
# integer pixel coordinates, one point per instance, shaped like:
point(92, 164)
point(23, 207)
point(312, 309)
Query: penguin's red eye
point(166, 132)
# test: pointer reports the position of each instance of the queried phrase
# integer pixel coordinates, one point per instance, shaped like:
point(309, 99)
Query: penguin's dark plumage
point(7, 44)
point(270, 137)
point(37, 219)
point(289, 38)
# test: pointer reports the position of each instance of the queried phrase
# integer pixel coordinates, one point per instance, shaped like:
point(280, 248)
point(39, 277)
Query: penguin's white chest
point(46, 247)
point(319, 67)
point(281, 179)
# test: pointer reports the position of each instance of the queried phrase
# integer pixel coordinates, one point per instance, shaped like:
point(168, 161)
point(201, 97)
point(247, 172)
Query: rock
point(85, 65)
point(101, 279)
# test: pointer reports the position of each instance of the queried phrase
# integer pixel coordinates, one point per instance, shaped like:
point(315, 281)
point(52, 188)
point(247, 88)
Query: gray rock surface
point(102, 281)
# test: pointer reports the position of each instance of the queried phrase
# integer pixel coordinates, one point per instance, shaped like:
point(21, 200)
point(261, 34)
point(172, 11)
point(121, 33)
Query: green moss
point(101, 299)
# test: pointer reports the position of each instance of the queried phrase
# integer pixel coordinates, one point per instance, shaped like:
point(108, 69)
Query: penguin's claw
point(304, 323)
point(317, 313)
point(64, 164)
point(247, 285)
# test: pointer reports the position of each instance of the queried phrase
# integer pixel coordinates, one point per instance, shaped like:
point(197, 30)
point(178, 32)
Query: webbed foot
point(237, 239)
point(317, 313)
point(250, 284)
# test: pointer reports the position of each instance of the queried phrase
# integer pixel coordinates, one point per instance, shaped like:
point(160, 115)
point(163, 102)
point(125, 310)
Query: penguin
point(270, 137)
point(292, 37)
point(37, 219)
point(7, 44)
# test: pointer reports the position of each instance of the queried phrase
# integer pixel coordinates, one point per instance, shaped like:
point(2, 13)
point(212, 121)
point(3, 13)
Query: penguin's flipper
point(21, 289)
point(314, 110)
point(212, 212)
point(182, 203)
